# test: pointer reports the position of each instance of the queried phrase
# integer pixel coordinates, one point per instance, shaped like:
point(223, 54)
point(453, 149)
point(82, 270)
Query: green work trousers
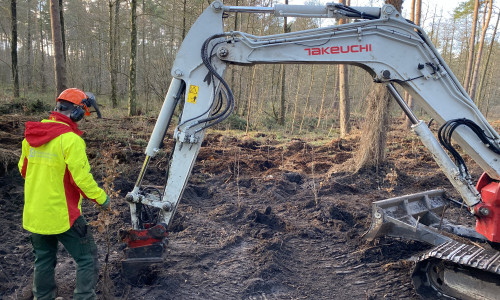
point(80, 244)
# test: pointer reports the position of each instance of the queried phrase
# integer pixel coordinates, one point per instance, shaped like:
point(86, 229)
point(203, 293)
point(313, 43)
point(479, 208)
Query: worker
point(57, 176)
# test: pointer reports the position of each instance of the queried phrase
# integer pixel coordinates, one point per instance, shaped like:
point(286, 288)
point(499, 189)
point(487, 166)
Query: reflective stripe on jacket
point(57, 176)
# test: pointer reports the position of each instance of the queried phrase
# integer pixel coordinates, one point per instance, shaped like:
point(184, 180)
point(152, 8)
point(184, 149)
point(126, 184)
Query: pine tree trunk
point(344, 102)
point(250, 95)
point(29, 48)
point(416, 17)
point(63, 35)
point(418, 12)
point(13, 49)
point(116, 41)
point(132, 94)
point(112, 49)
point(240, 93)
point(472, 44)
point(233, 69)
point(307, 100)
point(323, 97)
point(488, 99)
point(450, 56)
point(407, 96)
point(184, 3)
point(59, 62)
point(281, 118)
point(43, 79)
point(480, 52)
point(248, 26)
point(479, 101)
point(295, 103)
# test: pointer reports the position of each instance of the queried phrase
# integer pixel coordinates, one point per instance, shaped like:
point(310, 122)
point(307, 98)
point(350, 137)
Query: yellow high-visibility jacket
point(57, 175)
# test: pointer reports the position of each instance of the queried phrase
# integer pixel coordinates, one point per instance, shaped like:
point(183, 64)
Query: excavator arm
point(390, 48)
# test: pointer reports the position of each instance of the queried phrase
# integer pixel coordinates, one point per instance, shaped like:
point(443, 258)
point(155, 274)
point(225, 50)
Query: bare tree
point(371, 152)
point(63, 35)
point(281, 118)
point(59, 62)
point(13, 49)
point(249, 101)
point(479, 54)
point(308, 98)
point(450, 53)
point(43, 79)
point(295, 102)
point(323, 97)
point(184, 4)
point(29, 49)
point(479, 101)
point(113, 48)
point(233, 70)
point(416, 14)
point(344, 102)
point(132, 94)
point(472, 45)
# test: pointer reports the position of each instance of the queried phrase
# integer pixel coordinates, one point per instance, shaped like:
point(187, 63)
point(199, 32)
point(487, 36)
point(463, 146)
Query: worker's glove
point(106, 204)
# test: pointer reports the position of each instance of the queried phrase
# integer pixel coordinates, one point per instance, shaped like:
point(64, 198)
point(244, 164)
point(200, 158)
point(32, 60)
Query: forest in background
point(97, 46)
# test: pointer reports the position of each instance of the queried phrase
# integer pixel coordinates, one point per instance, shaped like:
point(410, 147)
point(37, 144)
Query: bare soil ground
point(260, 218)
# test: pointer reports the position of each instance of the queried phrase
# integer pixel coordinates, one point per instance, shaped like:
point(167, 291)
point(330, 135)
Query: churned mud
point(261, 218)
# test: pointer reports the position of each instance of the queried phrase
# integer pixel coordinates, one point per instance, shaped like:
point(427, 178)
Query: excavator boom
point(382, 42)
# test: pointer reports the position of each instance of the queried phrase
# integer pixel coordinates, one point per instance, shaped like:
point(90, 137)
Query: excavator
point(394, 51)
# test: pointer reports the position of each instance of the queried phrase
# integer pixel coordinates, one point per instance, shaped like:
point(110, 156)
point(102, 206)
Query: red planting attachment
point(144, 247)
point(145, 237)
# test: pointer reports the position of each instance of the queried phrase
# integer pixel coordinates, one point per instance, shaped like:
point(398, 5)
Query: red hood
point(39, 133)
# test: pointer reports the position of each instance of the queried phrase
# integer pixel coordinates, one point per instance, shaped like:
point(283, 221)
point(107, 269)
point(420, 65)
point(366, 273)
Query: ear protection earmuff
point(77, 113)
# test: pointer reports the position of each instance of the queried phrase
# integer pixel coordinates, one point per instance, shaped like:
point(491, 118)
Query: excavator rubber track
point(458, 271)
point(450, 270)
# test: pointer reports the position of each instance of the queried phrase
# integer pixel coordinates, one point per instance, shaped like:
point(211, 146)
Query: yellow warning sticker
point(192, 94)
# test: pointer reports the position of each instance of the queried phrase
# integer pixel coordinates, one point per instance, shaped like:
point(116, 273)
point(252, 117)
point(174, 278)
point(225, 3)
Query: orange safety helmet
point(77, 97)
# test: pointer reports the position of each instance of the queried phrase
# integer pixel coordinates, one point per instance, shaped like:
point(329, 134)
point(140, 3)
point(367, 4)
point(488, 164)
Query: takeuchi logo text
point(339, 49)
